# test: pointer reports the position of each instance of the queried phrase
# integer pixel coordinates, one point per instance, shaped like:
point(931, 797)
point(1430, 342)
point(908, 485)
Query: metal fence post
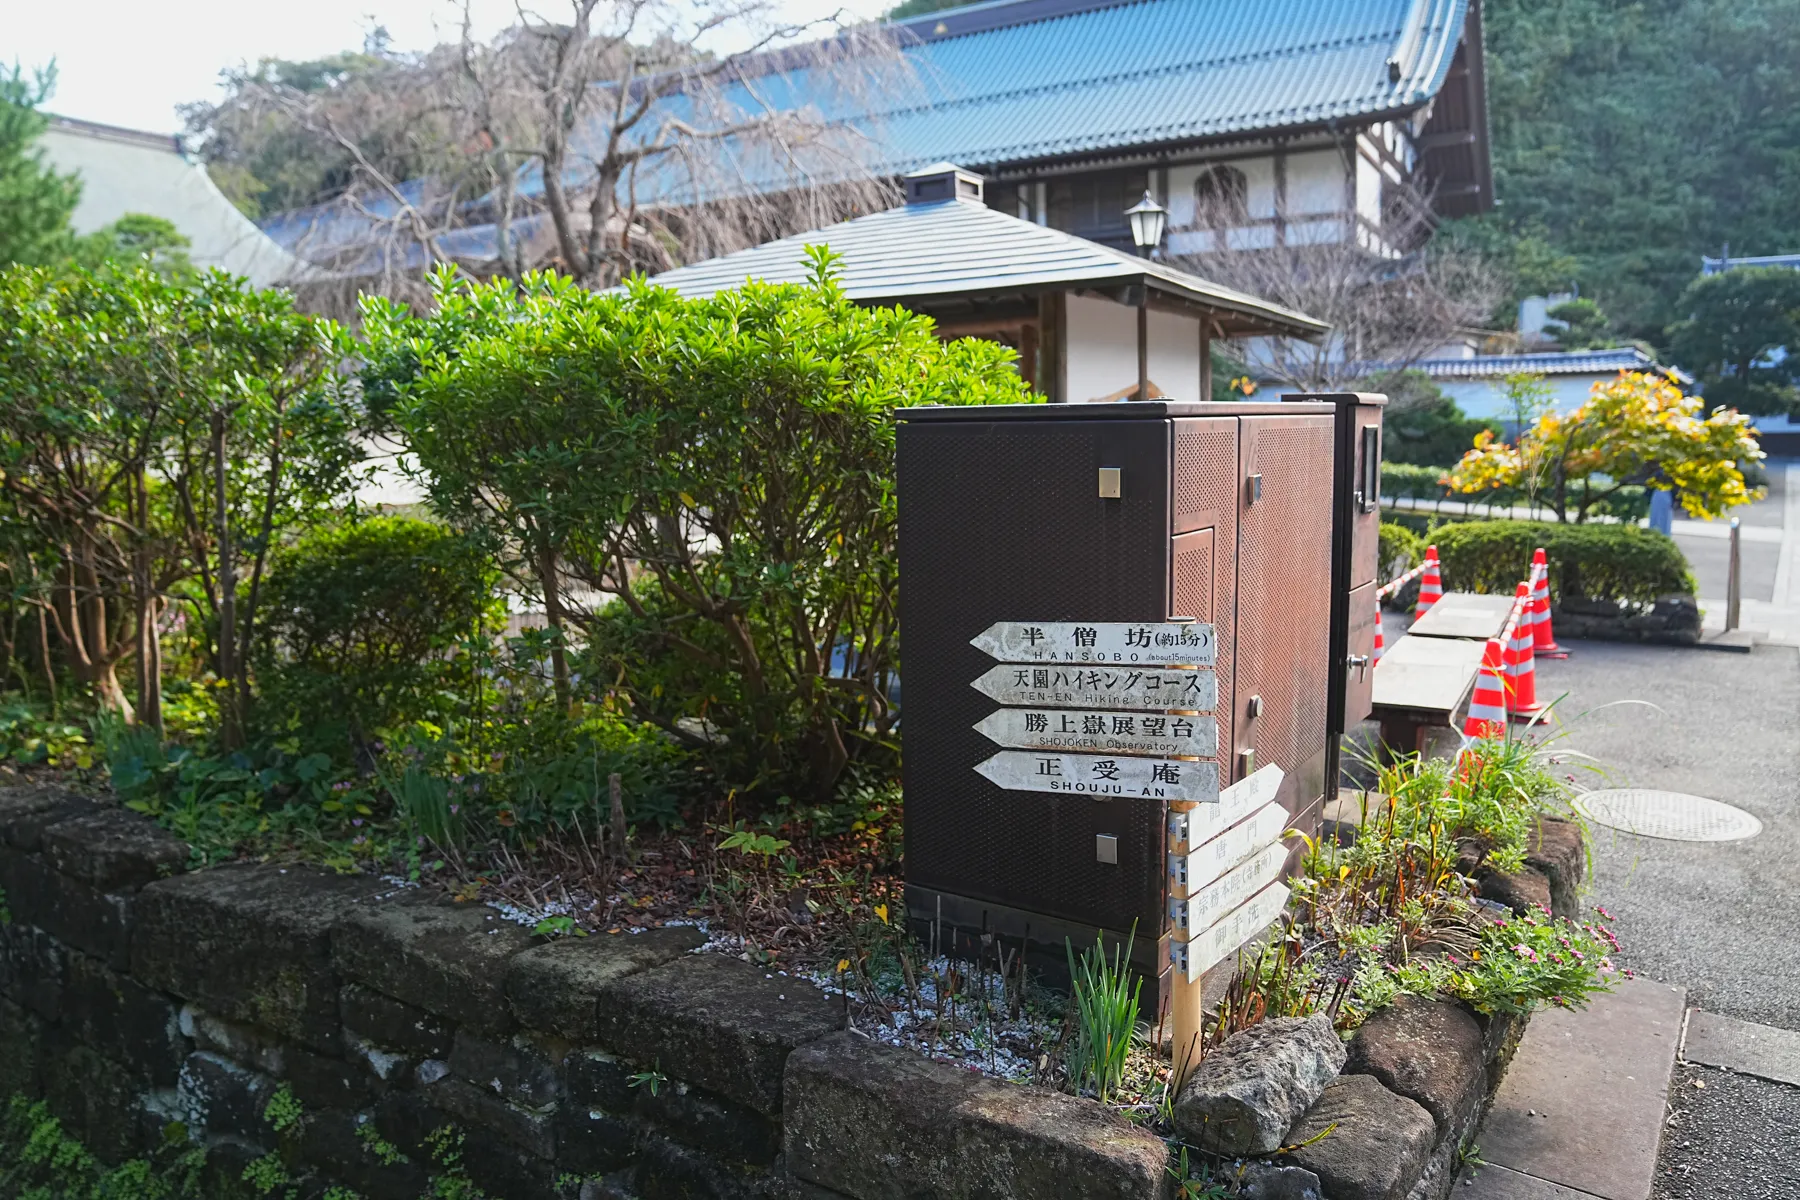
point(1734, 584)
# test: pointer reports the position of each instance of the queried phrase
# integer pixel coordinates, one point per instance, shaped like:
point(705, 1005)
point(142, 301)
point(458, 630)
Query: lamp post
point(1146, 218)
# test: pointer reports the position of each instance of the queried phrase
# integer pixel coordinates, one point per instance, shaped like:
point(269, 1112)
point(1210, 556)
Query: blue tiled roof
point(1553, 362)
point(1155, 72)
point(1017, 81)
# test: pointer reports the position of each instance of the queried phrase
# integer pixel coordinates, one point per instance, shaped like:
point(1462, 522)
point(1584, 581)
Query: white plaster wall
point(1103, 351)
point(1368, 191)
point(1174, 343)
point(1102, 348)
point(1486, 398)
point(1316, 182)
point(1259, 182)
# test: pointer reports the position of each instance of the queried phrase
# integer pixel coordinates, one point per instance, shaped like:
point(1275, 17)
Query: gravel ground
point(1717, 918)
point(1736, 1137)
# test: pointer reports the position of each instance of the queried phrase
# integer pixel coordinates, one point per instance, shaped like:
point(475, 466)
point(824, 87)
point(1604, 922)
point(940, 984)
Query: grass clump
point(1105, 1001)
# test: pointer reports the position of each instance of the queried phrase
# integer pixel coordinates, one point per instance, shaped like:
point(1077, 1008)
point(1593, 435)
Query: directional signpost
point(1115, 709)
point(1101, 732)
point(1130, 689)
point(1163, 644)
point(1103, 775)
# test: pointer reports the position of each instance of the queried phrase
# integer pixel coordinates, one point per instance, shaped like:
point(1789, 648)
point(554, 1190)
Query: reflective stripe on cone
point(1543, 639)
point(1487, 704)
point(1431, 585)
point(1521, 671)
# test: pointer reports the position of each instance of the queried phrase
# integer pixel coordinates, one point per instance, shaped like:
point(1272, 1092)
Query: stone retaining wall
point(1673, 620)
point(134, 994)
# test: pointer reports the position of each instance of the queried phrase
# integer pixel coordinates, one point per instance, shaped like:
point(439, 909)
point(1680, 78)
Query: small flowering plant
point(1525, 962)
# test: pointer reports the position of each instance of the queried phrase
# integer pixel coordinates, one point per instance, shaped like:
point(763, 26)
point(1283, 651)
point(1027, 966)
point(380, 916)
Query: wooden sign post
point(1223, 863)
point(1120, 709)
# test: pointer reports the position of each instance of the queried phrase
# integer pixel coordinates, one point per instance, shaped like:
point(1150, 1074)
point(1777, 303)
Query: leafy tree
point(1636, 429)
point(1583, 325)
point(1741, 337)
point(135, 237)
point(35, 202)
point(362, 622)
point(724, 467)
point(1635, 136)
point(153, 436)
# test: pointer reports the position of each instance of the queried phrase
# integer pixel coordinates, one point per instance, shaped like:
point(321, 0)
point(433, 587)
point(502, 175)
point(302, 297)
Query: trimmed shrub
point(1412, 481)
point(1400, 551)
point(1626, 564)
point(361, 628)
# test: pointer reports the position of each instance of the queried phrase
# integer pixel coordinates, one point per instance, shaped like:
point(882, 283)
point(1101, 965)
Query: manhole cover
point(1672, 815)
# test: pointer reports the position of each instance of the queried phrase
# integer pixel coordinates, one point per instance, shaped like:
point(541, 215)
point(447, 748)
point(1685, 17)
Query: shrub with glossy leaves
point(363, 624)
point(723, 466)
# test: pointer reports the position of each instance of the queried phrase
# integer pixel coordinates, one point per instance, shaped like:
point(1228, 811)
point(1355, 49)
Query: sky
point(131, 62)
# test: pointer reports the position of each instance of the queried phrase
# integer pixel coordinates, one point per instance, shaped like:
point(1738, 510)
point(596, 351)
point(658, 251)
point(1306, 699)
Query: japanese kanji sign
point(1102, 776)
point(1154, 644)
point(1200, 911)
point(1225, 935)
point(1102, 732)
point(1236, 802)
point(1190, 872)
point(1132, 689)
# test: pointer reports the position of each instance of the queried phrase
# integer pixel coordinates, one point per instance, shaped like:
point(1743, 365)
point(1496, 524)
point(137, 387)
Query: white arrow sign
point(1155, 643)
point(1101, 776)
point(1235, 803)
point(1199, 911)
point(1130, 688)
point(1192, 871)
point(1102, 732)
point(1193, 957)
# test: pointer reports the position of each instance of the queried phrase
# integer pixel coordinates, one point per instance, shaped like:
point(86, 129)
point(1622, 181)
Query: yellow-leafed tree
point(1636, 429)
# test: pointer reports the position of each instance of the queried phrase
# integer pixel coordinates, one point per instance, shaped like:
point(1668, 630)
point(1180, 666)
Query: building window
point(1221, 197)
point(1093, 206)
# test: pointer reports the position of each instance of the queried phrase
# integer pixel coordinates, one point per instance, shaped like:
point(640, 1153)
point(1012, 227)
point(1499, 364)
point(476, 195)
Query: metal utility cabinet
point(1258, 518)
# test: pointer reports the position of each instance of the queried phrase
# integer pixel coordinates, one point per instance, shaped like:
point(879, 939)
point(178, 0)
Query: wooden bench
point(1422, 683)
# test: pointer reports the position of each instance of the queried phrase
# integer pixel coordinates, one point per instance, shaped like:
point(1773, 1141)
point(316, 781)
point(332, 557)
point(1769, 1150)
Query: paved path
point(1581, 1107)
point(1770, 553)
point(1716, 919)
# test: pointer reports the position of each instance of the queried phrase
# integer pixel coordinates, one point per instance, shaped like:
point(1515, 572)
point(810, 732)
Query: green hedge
point(1623, 563)
point(1413, 482)
point(1400, 551)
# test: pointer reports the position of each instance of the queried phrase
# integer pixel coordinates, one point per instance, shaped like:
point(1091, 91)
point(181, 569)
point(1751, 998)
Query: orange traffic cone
point(1542, 637)
point(1521, 671)
point(1487, 705)
point(1431, 587)
point(1378, 642)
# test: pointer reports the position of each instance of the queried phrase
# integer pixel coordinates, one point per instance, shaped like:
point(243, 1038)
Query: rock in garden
point(1557, 849)
point(1522, 891)
point(1245, 1095)
point(1428, 1051)
point(1259, 1179)
point(1362, 1141)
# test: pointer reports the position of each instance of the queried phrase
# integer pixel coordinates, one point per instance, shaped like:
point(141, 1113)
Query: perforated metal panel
point(1002, 521)
point(1284, 598)
point(1205, 484)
